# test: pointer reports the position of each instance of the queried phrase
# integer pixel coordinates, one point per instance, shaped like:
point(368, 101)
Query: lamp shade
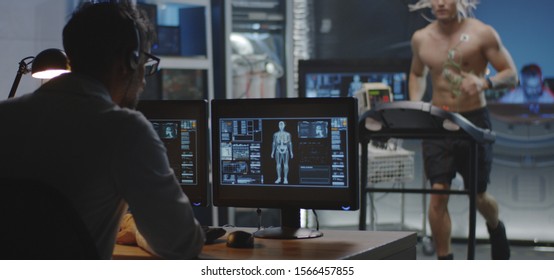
point(49, 64)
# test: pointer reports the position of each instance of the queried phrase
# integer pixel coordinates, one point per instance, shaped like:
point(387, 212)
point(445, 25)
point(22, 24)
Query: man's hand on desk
point(127, 234)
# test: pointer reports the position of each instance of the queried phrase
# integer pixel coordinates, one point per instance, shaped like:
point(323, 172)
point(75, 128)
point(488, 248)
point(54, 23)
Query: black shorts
point(444, 157)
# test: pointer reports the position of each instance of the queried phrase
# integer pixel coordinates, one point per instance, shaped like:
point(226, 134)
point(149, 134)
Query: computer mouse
point(240, 239)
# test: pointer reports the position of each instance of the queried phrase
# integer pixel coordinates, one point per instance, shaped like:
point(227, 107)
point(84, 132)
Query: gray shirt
point(71, 135)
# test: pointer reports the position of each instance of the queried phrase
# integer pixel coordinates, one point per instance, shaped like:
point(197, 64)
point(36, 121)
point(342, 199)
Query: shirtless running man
point(455, 50)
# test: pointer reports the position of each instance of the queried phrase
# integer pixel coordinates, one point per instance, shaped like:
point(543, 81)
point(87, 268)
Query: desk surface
point(335, 244)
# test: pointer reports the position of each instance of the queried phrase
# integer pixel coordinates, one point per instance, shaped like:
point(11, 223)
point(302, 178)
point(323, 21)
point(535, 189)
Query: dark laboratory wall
point(364, 28)
point(219, 43)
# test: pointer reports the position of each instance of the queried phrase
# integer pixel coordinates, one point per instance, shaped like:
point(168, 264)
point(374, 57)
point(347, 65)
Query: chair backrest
point(38, 222)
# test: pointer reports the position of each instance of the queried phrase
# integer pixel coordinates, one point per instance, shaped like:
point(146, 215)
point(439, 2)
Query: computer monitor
point(183, 127)
point(343, 77)
point(531, 102)
point(287, 153)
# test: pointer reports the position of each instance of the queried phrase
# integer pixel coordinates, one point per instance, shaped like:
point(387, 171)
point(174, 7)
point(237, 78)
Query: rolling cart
point(388, 163)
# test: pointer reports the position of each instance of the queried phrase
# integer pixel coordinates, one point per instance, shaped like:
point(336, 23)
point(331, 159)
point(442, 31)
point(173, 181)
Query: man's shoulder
point(424, 31)
point(425, 34)
point(124, 114)
point(123, 117)
point(547, 96)
point(480, 27)
point(475, 22)
point(514, 96)
point(128, 126)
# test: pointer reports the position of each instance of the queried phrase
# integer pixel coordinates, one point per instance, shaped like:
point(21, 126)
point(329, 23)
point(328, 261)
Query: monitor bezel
point(286, 197)
point(199, 194)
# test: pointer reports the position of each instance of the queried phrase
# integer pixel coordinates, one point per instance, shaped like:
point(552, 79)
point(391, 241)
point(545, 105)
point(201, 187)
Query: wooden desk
point(335, 244)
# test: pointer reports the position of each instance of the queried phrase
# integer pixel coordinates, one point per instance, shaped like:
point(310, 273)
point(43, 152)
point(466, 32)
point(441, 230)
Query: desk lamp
point(46, 65)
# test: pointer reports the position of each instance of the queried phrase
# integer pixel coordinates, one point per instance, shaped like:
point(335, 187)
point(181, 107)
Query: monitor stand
point(289, 229)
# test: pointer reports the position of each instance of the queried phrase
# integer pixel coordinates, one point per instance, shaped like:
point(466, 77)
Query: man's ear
point(119, 67)
point(122, 67)
point(116, 79)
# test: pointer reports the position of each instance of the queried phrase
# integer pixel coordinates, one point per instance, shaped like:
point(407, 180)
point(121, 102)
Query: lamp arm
point(23, 69)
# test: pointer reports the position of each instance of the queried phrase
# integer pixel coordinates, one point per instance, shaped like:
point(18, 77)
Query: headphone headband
point(134, 56)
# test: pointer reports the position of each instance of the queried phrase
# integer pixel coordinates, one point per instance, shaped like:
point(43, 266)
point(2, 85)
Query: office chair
point(38, 223)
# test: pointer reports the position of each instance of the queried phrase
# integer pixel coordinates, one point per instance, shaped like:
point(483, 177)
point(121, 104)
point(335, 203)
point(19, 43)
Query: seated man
point(79, 133)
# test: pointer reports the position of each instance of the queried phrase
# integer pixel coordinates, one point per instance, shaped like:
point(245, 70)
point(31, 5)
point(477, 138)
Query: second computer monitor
point(183, 127)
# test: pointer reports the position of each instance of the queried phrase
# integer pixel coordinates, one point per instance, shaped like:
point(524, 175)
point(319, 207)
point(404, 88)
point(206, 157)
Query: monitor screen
point(532, 101)
point(184, 84)
point(176, 84)
point(288, 153)
point(344, 77)
point(183, 127)
point(168, 41)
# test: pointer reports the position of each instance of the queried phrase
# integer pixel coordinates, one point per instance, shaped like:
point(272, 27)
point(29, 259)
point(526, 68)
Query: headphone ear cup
point(135, 54)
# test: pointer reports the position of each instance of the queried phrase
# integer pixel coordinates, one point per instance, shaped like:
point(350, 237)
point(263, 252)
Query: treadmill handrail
point(478, 134)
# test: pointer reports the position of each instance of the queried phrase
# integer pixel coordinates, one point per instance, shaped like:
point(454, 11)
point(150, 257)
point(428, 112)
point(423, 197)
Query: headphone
point(134, 56)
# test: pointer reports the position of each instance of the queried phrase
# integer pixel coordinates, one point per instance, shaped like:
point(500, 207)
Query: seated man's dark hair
point(99, 34)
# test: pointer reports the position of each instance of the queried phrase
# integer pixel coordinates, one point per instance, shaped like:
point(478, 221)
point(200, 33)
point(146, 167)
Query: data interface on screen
point(287, 152)
point(346, 84)
point(180, 139)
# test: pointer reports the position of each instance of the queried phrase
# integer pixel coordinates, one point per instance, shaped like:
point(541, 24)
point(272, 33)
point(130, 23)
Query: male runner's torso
point(446, 56)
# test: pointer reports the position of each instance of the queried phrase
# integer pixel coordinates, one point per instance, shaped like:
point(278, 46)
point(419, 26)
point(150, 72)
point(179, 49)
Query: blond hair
point(465, 7)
